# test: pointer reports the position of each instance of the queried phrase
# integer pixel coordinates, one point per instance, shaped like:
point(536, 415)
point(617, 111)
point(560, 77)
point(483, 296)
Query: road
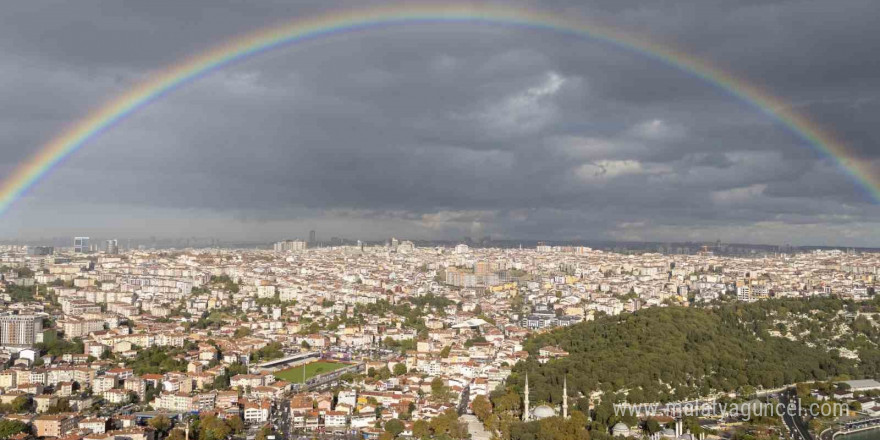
point(465, 398)
point(281, 418)
point(795, 425)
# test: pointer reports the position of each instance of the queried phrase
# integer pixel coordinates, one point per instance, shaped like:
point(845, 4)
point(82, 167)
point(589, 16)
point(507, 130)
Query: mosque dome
point(620, 429)
point(668, 433)
point(543, 411)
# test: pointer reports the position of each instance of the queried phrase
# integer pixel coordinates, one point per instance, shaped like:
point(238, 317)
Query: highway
point(795, 425)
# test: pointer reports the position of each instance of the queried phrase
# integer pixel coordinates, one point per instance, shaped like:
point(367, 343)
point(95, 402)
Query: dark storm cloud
point(446, 130)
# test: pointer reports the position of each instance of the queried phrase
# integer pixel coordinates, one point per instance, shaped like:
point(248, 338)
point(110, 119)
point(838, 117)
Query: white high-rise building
point(291, 246)
point(20, 330)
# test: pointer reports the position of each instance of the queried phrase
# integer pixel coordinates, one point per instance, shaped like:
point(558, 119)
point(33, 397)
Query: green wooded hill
point(674, 353)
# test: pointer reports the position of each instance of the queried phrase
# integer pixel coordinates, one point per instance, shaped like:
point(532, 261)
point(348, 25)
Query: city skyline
point(103, 244)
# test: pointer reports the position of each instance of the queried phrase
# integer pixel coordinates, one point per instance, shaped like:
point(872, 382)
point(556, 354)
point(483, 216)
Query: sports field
point(295, 374)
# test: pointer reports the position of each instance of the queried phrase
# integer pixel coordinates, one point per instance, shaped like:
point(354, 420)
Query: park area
point(295, 374)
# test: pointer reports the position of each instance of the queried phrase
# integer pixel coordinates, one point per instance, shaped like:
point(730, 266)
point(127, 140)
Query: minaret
point(565, 397)
point(525, 416)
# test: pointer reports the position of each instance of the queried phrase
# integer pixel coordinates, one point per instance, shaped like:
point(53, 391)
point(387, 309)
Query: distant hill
point(674, 353)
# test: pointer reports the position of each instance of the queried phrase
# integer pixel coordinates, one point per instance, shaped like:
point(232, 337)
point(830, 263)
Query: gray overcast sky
point(443, 131)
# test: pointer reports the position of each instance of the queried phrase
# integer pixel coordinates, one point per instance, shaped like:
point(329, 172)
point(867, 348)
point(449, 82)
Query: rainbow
point(25, 176)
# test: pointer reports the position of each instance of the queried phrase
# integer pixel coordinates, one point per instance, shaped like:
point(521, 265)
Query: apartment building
point(20, 330)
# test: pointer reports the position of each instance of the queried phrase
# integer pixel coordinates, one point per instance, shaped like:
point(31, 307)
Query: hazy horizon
point(440, 131)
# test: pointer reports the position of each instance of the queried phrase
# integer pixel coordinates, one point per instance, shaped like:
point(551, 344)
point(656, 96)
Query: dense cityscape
point(400, 341)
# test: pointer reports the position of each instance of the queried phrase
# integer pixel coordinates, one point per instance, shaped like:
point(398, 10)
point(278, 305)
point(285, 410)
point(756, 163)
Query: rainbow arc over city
point(25, 176)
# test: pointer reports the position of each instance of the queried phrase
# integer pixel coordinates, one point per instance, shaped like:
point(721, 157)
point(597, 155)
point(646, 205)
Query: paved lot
point(475, 428)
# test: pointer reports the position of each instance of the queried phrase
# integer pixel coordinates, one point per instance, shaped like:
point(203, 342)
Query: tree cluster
point(446, 426)
point(673, 353)
point(8, 428)
point(157, 360)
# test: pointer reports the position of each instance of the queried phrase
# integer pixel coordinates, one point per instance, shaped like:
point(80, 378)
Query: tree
point(235, 423)
point(437, 385)
point(478, 339)
point(482, 408)
point(448, 424)
point(399, 369)
point(439, 390)
point(444, 353)
point(508, 403)
point(220, 382)
point(557, 428)
point(176, 434)
point(407, 345)
point(58, 347)
point(157, 360)
point(213, 428)
point(21, 404)
point(421, 429)
point(394, 427)
point(803, 390)
point(8, 428)
point(63, 405)
point(652, 426)
point(384, 373)
point(160, 423)
point(271, 351)
point(241, 332)
point(134, 397)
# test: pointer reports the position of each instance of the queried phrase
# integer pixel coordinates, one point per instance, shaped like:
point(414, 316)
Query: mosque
point(544, 411)
point(620, 429)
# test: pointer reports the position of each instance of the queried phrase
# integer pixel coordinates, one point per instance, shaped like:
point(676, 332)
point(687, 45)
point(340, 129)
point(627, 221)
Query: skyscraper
point(81, 245)
point(112, 247)
point(313, 237)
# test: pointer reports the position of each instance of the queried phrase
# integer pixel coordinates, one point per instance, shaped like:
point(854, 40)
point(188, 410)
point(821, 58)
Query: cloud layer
point(442, 131)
